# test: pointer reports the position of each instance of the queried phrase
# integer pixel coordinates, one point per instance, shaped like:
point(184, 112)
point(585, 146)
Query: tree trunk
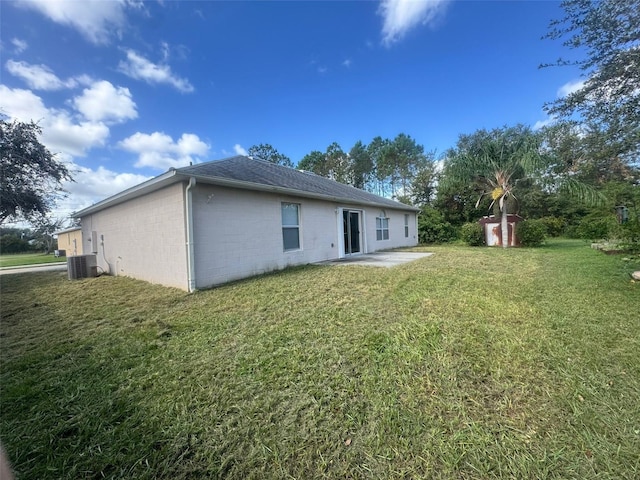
point(504, 227)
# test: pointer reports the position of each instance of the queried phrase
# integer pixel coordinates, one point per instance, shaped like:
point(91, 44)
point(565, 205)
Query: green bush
point(531, 233)
point(12, 243)
point(571, 231)
point(433, 228)
point(628, 235)
point(555, 226)
point(597, 227)
point(471, 233)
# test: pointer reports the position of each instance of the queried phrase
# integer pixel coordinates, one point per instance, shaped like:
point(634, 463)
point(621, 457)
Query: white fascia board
point(67, 230)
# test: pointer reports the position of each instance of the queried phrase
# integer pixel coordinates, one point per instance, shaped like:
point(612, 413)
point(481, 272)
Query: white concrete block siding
point(144, 237)
point(238, 233)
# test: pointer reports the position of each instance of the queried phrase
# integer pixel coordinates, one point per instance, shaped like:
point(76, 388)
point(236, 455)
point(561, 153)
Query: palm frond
point(583, 192)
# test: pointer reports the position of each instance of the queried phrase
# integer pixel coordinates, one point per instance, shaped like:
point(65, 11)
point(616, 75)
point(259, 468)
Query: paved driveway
point(379, 259)
point(45, 267)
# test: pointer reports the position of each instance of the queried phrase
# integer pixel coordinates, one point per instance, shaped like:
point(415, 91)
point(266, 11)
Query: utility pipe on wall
point(191, 278)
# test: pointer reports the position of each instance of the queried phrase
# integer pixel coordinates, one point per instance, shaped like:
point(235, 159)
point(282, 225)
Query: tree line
point(562, 172)
point(398, 168)
point(579, 170)
point(582, 172)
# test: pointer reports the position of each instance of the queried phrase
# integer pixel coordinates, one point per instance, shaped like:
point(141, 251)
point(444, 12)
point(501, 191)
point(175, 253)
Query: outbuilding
point(70, 241)
point(493, 230)
point(211, 223)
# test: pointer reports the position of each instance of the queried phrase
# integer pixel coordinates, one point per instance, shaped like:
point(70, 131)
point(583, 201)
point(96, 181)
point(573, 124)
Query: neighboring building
point(70, 240)
point(207, 224)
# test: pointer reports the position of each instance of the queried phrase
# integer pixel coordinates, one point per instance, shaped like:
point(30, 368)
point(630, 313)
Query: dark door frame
point(352, 231)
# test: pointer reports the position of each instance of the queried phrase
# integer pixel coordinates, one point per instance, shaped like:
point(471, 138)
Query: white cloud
point(19, 45)
point(543, 123)
point(91, 186)
point(166, 51)
point(400, 16)
point(570, 87)
point(239, 149)
point(21, 104)
point(40, 77)
point(96, 20)
point(138, 67)
point(60, 132)
point(102, 182)
point(347, 63)
point(566, 89)
point(190, 144)
point(103, 102)
point(158, 150)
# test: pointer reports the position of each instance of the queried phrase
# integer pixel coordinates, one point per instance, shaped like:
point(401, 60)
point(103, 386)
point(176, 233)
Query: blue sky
point(125, 89)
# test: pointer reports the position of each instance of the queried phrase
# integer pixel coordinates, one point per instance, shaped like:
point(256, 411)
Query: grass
point(18, 259)
point(472, 363)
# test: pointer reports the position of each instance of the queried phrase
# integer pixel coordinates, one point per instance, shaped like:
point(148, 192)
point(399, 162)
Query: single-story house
point(210, 223)
point(70, 240)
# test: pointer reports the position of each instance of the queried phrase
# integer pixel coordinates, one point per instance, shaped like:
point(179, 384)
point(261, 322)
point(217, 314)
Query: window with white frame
point(406, 225)
point(382, 227)
point(291, 226)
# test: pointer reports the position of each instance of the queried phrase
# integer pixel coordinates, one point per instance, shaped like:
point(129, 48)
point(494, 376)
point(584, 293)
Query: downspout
point(191, 277)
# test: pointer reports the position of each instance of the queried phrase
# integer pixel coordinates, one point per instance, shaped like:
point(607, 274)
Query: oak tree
point(606, 36)
point(30, 176)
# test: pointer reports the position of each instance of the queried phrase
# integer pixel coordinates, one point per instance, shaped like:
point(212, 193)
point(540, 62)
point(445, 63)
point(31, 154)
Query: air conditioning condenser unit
point(82, 266)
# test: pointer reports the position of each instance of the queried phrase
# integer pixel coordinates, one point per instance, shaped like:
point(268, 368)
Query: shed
point(492, 228)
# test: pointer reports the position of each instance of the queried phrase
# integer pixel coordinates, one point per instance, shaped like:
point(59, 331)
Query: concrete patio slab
point(379, 259)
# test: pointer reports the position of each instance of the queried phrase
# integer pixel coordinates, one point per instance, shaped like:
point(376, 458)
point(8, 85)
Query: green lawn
point(17, 259)
point(472, 363)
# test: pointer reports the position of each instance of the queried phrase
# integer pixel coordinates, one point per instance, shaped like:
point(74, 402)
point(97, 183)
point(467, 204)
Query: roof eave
point(173, 176)
point(67, 230)
point(226, 182)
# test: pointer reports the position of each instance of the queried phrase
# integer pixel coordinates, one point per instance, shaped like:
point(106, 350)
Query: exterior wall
point(70, 242)
point(238, 233)
point(143, 238)
point(397, 237)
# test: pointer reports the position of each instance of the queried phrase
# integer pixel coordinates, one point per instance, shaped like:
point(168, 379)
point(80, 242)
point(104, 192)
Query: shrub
point(628, 234)
point(597, 227)
point(531, 233)
point(433, 228)
point(571, 231)
point(555, 226)
point(12, 243)
point(472, 234)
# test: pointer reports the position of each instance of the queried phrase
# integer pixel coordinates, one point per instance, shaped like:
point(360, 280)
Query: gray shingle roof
point(258, 172)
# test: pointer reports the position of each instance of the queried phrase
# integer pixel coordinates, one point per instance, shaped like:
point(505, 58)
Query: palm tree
point(496, 161)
